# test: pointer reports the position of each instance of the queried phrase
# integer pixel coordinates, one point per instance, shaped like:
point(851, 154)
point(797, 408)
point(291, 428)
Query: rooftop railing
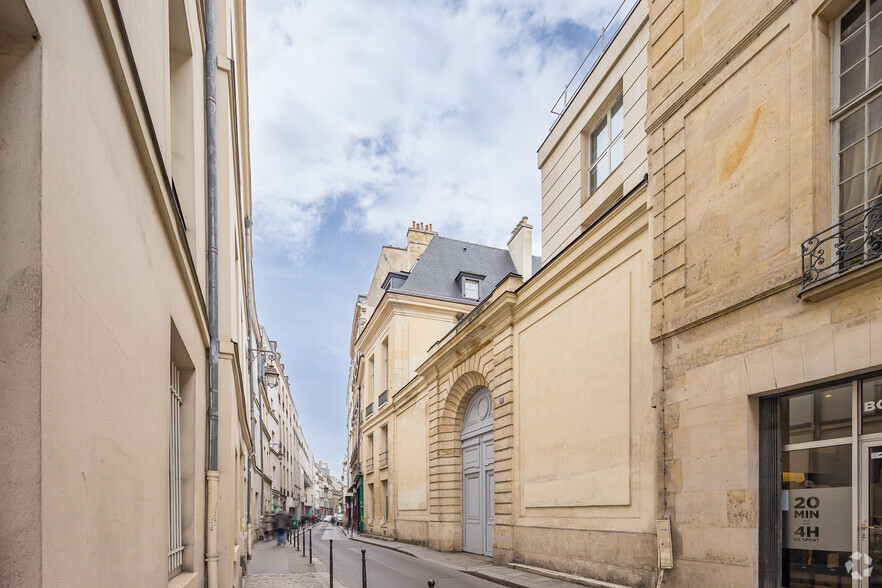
point(606, 37)
point(846, 246)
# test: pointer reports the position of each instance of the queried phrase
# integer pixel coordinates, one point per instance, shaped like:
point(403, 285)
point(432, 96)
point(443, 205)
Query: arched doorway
point(477, 474)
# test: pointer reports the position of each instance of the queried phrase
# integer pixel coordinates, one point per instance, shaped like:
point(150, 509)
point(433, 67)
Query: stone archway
point(477, 474)
point(446, 461)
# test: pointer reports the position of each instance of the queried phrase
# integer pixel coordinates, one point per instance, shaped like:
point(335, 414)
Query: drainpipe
point(248, 279)
point(261, 379)
point(212, 475)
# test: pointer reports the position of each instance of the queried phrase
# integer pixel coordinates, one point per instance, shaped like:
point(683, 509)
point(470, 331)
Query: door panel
point(473, 537)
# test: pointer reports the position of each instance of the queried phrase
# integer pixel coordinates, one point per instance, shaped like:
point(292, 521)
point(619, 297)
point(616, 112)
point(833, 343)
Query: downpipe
point(212, 474)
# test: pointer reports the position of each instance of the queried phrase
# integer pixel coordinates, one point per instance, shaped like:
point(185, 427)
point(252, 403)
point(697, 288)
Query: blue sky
point(367, 115)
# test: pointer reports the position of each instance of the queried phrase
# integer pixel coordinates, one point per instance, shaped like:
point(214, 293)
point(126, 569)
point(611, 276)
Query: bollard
point(303, 543)
point(310, 545)
point(431, 583)
point(363, 570)
point(331, 560)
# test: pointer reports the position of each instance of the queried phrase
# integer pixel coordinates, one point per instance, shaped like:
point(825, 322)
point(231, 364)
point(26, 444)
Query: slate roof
point(434, 275)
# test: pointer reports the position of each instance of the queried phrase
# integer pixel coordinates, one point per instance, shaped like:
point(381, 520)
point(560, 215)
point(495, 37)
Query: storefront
point(820, 518)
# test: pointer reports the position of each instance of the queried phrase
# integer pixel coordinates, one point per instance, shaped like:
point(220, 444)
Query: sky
point(368, 115)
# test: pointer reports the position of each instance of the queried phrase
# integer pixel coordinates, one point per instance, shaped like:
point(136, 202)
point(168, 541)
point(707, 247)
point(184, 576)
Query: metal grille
point(175, 528)
point(369, 465)
point(384, 459)
point(846, 246)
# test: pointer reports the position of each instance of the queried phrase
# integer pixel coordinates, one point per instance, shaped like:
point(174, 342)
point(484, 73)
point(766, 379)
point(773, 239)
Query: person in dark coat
point(280, 519)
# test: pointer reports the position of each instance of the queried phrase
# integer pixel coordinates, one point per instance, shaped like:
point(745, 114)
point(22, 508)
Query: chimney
point(520, 246)
point(418, 237)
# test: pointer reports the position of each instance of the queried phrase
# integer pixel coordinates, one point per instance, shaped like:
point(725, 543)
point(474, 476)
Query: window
point(857, 128)
point(606, 145)
point(385, 489)
point(470, 288)
point(384, 446)
point(370, 375)
point(386, 363)
point(175, 526)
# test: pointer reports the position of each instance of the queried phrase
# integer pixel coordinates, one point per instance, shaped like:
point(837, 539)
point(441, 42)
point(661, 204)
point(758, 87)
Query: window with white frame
point(606, 145)
point(175, 527)
point(857, 98)
point(470, 288)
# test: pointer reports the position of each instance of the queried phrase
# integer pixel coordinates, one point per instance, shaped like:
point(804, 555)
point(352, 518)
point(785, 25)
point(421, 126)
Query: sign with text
point(817, 518)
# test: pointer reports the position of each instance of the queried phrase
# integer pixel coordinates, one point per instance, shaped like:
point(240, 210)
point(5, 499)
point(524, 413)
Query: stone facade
point(740, 174)
point(103, 278)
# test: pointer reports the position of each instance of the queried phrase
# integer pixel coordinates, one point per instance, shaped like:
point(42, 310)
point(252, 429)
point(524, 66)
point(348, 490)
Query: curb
point(378, 544)
point(472, 572)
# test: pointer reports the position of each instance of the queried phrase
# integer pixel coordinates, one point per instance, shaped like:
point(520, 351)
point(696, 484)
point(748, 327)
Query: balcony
point(369, 465)
point(845, 248)
point(384, 459)
point(384, 396)
point(369, 410)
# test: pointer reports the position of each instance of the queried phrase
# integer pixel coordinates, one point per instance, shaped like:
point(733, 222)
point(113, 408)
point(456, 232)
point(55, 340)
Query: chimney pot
point(430, 227)
point(412, 224)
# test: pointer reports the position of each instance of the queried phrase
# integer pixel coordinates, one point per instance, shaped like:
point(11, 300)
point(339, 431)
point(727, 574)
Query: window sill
point(841, 282)
point(184, 580)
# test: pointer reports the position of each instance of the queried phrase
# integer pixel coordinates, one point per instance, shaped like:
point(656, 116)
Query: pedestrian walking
point(281, 522)
point(266, 523)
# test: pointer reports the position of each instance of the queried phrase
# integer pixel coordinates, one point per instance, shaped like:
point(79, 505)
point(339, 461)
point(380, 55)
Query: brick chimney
point(418, 237)
point(520, 246)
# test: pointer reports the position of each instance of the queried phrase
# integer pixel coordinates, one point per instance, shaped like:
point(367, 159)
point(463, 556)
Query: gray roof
point(434, 275)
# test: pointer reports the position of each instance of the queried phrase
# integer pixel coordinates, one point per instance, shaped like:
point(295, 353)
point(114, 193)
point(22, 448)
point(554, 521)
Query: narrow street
point(276, 566)
point(385, 568)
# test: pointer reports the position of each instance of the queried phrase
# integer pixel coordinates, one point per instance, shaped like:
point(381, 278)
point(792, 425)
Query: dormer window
point(394, 280)
point(470, 285)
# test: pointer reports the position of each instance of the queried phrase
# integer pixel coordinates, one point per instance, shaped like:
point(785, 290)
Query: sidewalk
point(273, 566)
point(479, 566)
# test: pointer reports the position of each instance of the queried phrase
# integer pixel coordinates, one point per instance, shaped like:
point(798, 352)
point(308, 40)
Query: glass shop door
point(867, 562)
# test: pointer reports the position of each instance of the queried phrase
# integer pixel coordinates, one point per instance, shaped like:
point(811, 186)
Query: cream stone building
point(120, 468)
point(763, 138)
point(526, 427)
point(283, 438)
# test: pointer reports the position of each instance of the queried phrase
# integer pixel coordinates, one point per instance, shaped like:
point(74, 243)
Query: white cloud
point(428, 111)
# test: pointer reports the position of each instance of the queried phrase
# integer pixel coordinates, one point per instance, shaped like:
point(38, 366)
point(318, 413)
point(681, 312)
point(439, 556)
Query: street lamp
point(272, 378)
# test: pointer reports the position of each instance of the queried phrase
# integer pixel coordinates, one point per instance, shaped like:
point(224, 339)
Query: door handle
point(871, 526)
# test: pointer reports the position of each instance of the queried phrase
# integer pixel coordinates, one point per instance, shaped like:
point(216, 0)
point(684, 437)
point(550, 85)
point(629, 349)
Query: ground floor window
point(821, 486)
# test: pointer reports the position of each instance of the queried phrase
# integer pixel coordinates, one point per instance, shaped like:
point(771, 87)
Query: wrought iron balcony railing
point(369, 410)
point(369, 465)
point(384, 396)
point(384, 459)
point(848, 245)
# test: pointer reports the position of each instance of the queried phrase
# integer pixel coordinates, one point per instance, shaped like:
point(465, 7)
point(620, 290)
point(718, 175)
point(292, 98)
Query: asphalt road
point(386, 568)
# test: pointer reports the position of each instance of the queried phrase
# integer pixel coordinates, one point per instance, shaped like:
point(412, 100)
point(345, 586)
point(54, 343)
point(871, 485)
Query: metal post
point(303, 542)
point(331, 560)
point(310, 545)
point(363, 570)
point(431, 583)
